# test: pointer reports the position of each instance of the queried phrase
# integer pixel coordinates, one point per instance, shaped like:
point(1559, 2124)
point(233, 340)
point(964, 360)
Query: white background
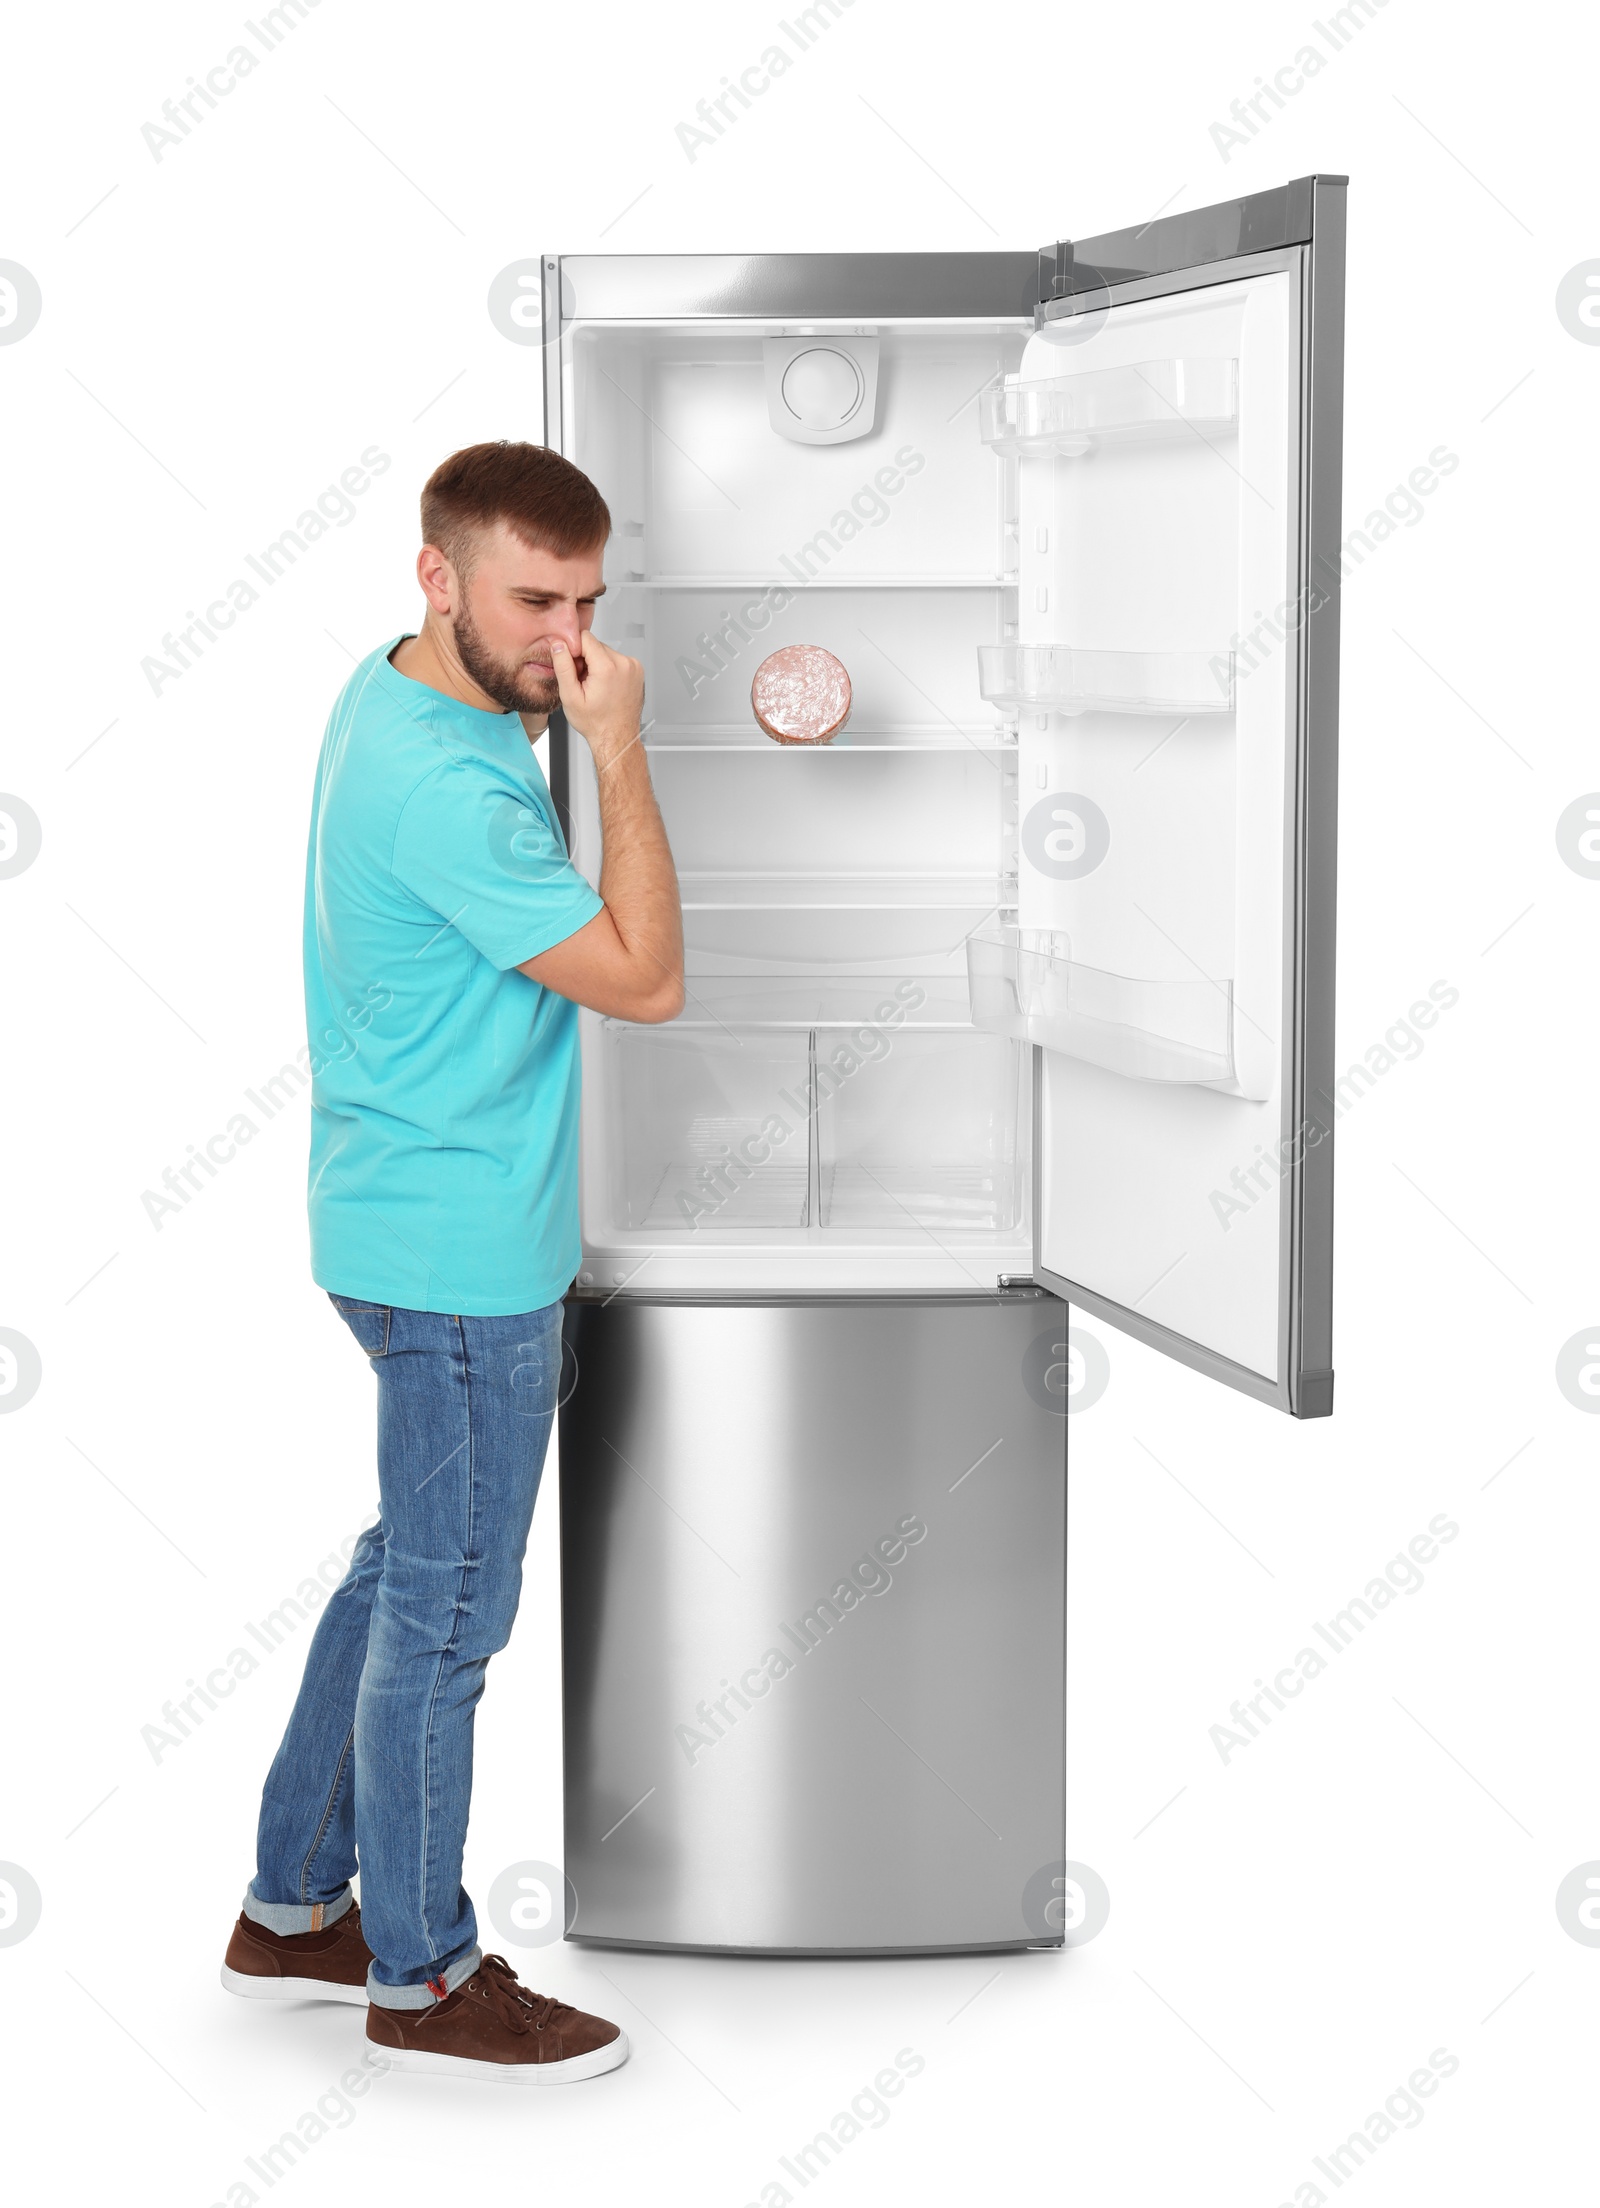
point(1374, 1878)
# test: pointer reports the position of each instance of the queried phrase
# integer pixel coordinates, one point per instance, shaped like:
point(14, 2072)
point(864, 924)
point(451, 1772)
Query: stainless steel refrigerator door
point(813, 1600)
point(1189, 1257)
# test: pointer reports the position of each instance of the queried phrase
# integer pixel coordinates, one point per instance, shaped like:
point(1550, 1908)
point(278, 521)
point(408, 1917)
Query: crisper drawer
point(928, 1136)
point(822, 1128)
point(707, 1129)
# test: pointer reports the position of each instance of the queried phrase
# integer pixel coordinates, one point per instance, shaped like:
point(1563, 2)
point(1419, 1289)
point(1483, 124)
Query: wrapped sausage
point(801, 695)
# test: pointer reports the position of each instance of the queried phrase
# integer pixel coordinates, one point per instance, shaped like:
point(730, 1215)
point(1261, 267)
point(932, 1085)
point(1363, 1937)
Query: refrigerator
point(1012, 1002)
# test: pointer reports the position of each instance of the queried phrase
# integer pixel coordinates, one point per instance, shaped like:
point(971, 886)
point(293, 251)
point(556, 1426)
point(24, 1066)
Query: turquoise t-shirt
point(444, 1095)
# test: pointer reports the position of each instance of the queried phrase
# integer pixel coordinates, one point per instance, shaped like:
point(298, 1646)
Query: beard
point(514, 686)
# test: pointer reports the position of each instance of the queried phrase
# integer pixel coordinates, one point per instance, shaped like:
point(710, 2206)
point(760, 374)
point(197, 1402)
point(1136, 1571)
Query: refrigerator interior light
point(821, 390)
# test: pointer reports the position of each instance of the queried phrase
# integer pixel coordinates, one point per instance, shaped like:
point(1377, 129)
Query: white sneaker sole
point(252, 1988)
point(591, 2065)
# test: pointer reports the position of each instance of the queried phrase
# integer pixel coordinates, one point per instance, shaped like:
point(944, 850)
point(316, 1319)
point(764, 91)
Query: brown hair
point(551, 505)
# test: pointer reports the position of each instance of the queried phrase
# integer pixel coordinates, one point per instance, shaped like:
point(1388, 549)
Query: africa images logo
point(20, 302)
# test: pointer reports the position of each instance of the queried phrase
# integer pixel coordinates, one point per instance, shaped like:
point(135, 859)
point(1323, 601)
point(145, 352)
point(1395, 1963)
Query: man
point(448, 944)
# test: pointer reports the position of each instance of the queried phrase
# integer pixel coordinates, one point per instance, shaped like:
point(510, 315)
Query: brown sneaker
point(328, 1965)
point(491, 2027)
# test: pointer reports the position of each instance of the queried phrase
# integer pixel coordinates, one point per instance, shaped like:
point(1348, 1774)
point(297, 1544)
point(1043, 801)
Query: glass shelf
point(842, 892)
point(1063, 680)
point(1070, 415)
point(831, 579)
point(1023, 983)
point(740, 737)
point(783, 1003)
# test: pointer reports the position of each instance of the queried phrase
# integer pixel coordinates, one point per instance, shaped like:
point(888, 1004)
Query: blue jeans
point(376, 1764)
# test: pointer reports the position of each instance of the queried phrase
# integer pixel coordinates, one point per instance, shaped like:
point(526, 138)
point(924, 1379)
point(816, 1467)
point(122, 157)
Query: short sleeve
point(490, 863)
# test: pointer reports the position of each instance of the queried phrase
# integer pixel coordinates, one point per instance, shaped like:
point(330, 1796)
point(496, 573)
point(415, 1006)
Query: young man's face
point(514, 603)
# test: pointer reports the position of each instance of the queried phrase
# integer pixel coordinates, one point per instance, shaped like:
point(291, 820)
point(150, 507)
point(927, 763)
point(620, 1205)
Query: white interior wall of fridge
point(825, 1116)
point(1155, 845)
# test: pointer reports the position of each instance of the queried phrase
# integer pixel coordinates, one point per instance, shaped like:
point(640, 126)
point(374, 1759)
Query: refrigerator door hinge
point(1055, 270)
point(1063, 277)
point(1018, 1284)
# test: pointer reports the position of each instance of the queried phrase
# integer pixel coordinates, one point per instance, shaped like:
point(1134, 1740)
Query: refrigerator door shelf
point(1023, 984)
point(1062, 680)
point(1140, 404)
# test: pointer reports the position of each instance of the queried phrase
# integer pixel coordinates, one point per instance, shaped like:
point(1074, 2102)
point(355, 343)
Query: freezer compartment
point(1067, 681)
point(813, 1622)
point(1142, 403)
point(1024, 984)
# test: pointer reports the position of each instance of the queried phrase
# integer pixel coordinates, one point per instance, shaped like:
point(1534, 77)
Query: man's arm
point(628, 960)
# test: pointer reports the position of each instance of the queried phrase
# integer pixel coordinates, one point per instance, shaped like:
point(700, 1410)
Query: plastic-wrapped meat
point(801, 695)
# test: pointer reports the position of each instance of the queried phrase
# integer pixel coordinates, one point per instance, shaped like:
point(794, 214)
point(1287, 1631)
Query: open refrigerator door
point(1172, 950)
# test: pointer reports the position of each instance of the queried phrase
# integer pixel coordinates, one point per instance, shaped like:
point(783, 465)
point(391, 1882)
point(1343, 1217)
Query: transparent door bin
point(692, 1115)
point(1023, 984)
point(1141, 404)
point(924, 1140)
point(1060, 679)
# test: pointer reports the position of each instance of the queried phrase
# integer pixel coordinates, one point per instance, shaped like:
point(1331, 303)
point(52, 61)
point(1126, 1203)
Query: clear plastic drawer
point(925, 1139)
point(709, 1130)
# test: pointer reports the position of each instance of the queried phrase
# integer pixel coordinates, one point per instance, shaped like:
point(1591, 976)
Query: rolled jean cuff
point(423, 1997)
point(288, 1917)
